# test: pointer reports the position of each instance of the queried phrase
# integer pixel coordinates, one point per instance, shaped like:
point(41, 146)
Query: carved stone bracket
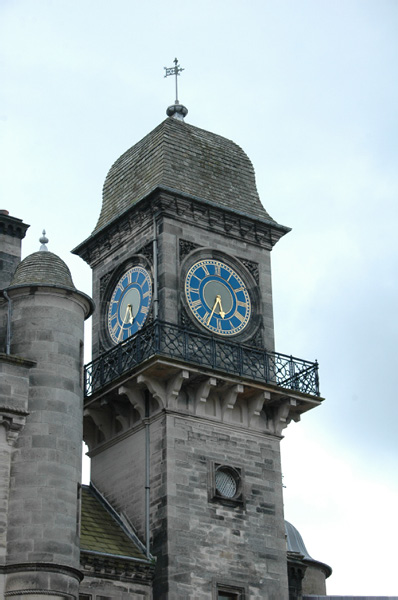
point(229, 399)
point(13, 422)
point(135, 396)
point(166, 393)
point(254, 408)
point(280, 416)
point(102, 420)
point(173, 387)
point(122, 414)
point(202, 394)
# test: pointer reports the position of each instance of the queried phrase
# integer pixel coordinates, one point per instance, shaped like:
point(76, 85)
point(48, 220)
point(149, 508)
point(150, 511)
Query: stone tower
point(40, 437)
point(186, 398)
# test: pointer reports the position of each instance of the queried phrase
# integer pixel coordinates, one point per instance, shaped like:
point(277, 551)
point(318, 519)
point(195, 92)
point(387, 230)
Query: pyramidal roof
point(184, 159)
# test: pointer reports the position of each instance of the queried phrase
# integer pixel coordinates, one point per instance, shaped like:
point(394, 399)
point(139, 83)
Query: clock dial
point(129, 304)
point(217, 297)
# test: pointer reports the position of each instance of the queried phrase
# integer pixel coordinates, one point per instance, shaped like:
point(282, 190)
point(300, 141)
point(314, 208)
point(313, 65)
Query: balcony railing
point(173, 341)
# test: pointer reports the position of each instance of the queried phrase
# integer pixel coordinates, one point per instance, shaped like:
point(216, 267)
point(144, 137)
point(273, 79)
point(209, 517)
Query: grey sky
point(308, 89)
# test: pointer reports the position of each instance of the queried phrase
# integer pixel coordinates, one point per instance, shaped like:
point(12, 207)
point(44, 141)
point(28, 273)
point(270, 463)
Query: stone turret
point(42, 545)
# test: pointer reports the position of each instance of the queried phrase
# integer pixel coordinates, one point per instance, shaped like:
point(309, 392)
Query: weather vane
point(176, 70)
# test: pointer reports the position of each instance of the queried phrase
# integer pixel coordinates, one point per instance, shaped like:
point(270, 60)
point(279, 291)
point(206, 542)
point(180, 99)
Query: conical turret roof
point(184, 159)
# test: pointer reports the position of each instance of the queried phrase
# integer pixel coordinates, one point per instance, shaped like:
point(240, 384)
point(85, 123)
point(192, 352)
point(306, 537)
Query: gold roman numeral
point(196, 303)
point(239, 316)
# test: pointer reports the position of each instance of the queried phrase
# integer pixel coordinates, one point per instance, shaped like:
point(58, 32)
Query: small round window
point(227, 482)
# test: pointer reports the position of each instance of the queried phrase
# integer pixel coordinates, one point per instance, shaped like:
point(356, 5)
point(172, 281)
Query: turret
point(48, 314)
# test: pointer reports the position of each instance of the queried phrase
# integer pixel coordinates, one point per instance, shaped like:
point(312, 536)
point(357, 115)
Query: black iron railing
point(166, 339)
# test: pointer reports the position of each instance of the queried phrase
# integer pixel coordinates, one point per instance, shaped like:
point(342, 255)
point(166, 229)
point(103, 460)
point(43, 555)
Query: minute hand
point(220, 312)
point(126, 320)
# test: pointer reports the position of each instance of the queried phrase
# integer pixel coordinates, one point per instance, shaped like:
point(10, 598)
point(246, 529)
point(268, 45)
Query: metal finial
point(177, 110)
point(43, 240)
point(176, 70)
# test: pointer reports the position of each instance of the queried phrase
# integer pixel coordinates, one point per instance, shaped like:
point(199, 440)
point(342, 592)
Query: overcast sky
point(309, 90)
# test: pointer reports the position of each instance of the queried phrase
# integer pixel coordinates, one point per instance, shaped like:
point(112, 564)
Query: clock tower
point(186, 398)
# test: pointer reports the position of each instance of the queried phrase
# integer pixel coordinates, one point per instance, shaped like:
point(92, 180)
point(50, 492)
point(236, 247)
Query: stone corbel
point(13, 422)
point(156, 388)
point(165, 393)
point(282, 415)
point(229, 399)
point(254, 408)
point(135, 396)
point(122, 414)
point(101, 419)
point(202, 394)
point(174, 386)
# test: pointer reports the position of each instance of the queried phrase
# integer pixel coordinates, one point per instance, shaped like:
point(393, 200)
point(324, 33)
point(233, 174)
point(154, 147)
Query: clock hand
point(221, 312)
point(128, 309)
point(214, 308)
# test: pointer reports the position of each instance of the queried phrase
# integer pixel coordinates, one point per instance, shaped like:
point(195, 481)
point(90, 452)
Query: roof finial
point(43, 240)
point(177, 110)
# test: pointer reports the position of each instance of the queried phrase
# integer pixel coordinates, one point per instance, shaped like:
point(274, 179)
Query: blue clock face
point(217, 297)
point(129, 304)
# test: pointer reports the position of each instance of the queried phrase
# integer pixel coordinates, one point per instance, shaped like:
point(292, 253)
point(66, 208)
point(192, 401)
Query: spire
point(43, 240)
point(176, 110)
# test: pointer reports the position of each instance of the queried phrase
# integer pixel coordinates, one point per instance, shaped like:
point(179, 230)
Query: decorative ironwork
point(176, 70)
point(165, 339)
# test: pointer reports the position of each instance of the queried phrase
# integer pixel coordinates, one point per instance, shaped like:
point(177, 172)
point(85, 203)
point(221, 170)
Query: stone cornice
point(186, 209)
point(12, 226)
point(36, 567)
point(17, 360)
point(124, 568)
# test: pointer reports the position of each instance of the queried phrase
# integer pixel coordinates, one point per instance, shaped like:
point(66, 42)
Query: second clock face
point(217, 297)
point(129, 304)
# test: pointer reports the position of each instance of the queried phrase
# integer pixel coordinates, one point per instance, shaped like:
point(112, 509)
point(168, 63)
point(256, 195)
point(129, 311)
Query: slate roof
point(42, 268)
point(103, 531)
point(182, 158)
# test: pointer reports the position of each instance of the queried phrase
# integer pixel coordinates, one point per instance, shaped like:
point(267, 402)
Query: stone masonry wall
point(207, 541)
point(46, 464)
